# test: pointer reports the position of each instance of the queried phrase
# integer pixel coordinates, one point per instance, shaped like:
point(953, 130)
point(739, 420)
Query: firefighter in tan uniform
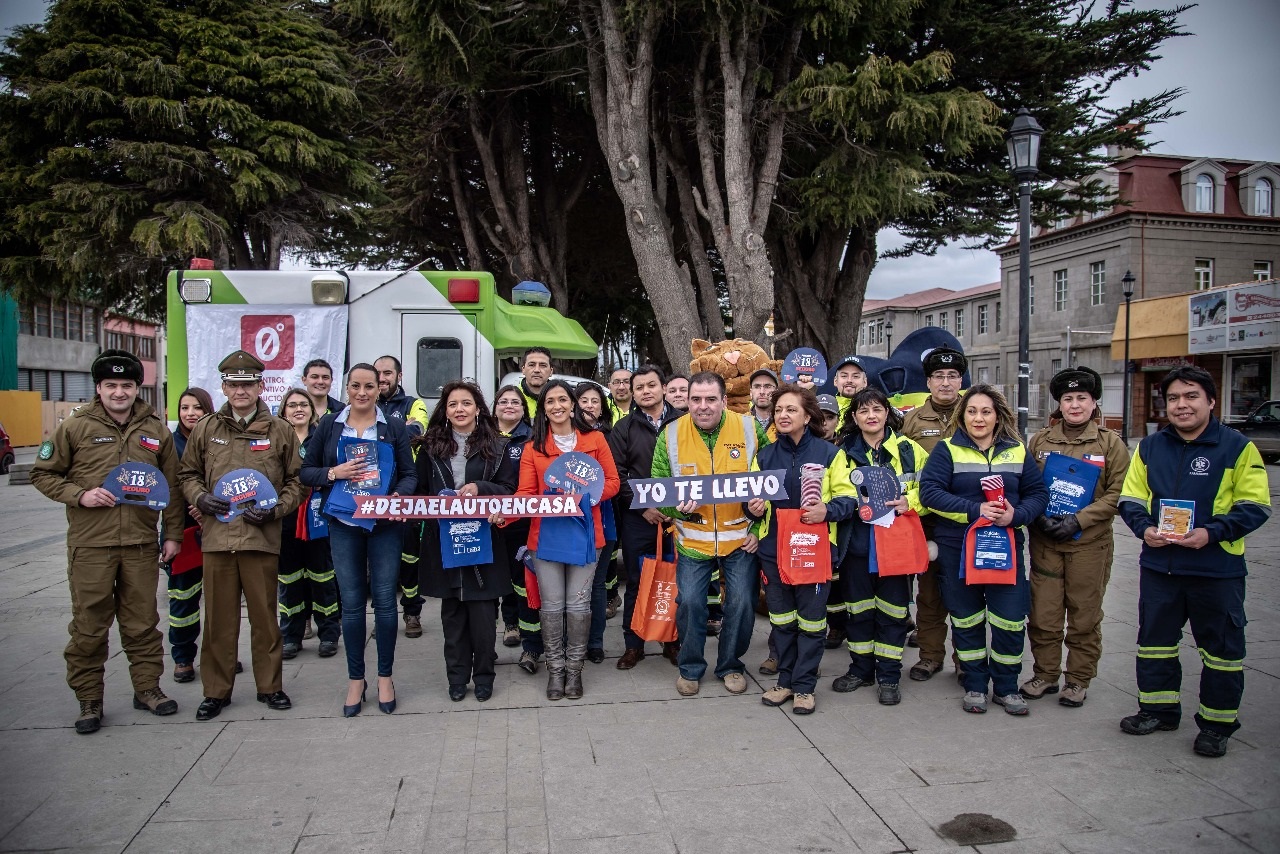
point(243, 555)
point(928, 424)
point(113, 560)
point(1069, 576)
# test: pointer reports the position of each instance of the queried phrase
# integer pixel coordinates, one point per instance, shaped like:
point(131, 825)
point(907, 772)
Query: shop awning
point(1159, 328)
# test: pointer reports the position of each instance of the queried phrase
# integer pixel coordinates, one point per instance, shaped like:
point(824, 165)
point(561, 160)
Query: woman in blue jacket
point(797, 612)
point(366, 561)
point(986, 442)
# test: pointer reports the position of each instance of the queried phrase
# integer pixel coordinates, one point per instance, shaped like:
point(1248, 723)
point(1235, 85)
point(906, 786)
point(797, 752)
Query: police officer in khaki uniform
point(243, 555)
point(1069, 576)
point(113, 561)
point(929, 424)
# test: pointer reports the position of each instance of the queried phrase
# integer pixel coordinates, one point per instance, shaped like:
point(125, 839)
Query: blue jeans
point(600, 596)
point(367, 562)
point(740, 573)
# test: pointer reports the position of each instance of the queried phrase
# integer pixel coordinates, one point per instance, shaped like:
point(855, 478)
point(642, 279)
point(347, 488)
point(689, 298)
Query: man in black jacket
point(632, 441)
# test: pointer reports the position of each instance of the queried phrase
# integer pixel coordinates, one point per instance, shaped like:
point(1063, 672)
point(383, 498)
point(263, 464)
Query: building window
point(998, 317)
point(26, 320)
point(75, 328)
point(982, 319)
point(959, 322)
point(90, 324)
point(862, 334)
point(942, 320)
point(1097, 283)
point(42, 319)
point(928, 320)
point(1059, 290)
point(983, 374)
point(1204, 193)
point(1262, 198)
point(58, 311)
point(147, 348)
point(1204, 274)
point(879, 331)
point(1261, 271)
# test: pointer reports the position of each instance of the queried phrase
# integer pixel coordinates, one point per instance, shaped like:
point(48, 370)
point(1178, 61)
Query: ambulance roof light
point(328, 288)
point(464, 290)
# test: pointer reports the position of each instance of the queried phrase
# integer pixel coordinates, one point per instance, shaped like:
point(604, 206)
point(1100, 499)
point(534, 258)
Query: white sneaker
point(975, 702)
point(1014, 704)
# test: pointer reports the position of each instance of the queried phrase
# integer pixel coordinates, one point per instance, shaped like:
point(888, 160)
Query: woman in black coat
point(462, 450)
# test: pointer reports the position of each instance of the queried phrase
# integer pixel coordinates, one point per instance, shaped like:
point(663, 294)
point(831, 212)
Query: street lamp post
point(888, 337)
point(1024, 155)
point(1128, 379)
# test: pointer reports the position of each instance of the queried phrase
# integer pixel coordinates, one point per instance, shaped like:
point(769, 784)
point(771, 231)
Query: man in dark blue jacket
point(1192, 569)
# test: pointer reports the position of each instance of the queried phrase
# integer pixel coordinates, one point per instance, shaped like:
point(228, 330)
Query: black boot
point(553, 649)
point(579, 626)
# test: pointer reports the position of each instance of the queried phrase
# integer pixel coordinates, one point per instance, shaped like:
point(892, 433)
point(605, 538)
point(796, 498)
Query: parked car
point(6, 451)
point(1262, 426)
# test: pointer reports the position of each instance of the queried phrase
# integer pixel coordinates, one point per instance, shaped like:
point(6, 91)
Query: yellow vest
point(718, 529)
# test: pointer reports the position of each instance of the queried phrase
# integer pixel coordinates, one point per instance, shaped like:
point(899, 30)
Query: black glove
point(211, 505)
point(1062, 528)
point(257, 516)
point(1041, 524)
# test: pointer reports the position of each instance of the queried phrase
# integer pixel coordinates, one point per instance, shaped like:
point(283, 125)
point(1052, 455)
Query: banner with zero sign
point(708, 488)
point(459, 507)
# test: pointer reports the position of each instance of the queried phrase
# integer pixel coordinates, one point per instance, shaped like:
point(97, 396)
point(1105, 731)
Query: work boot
point(671, 652)
point(528, 662)
point(1210, 743)
point(611, 606)
point(1034, 689)
point(835, 637)
point(90, 719)
point(290, 651)
point(184, 673)
point(713, 628)
point(803, 704)
point(913, 639)
point(308, 632)
point(1145, 723)
point(511, 636)
point(153, 700)
point(1073, 695)
point(630, 659)
point(848, 682)
point(776, 696)
point(412, 626)
point(769, 666)
point(554, 650)
point(889, 693)
point(923, 670)
point(579, 629)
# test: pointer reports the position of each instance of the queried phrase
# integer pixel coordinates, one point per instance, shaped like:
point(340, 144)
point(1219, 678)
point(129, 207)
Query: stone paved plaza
point(630, 768)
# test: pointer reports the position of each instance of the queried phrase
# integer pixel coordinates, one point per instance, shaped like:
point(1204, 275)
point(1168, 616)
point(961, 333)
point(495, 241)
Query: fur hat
point(117, 365)
point(1076, 379)
point(944, 358)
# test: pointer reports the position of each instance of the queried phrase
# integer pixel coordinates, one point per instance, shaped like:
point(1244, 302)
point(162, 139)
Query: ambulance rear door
point(438, 347)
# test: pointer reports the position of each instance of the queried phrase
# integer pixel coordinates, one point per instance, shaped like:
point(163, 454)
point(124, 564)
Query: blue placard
point(465, 542)
point(576, 472)
point(992, 548)
point(317, 525)
point(138, 485)
point(877, 486)
point(242, 489)
point(804, 361)
point(1071, 484)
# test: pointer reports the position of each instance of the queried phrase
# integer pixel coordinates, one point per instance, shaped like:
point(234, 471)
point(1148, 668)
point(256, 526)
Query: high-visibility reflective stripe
point(861, 647)
point(1001, 658)
point(715, 575)
point(836, 608)
point(609, 584)
point(1226, 664)
point(1157, 697)
point(783, 619)
point(325, 610)
point(193, 590)
point(688, 533)
point(409, 592)
point(813, 625)
point(961, 468)
point(408, 558)
point(1008, 625)
point(526, 626)
point(292, 577)
point(895, 611)
point(1157, 652)
point(714, 600)
point(520, 591)
point(1221, 716)
point(860, 606)
point(321, 577)
point(883, 650)
point(969, 621)
point(971, 654)
point(183, 622)
point(289, 612)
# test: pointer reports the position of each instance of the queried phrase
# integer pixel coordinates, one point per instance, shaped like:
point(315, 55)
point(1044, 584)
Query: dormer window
point(1204, 193)
point(1262, 195)
point(1258, 189)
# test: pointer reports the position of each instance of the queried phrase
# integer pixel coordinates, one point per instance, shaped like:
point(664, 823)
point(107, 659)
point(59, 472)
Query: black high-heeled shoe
point(352, 711)
point(389, 706)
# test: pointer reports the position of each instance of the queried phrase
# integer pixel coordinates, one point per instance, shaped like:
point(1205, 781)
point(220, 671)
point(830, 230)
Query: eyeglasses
point(299, 404)
point(946, 375)
point(619, 382)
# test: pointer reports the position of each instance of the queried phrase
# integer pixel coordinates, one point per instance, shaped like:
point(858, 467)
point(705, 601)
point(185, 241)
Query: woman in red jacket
point(565, 588)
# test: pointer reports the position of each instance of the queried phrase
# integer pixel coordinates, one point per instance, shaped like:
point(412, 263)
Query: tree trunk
point(822, 285)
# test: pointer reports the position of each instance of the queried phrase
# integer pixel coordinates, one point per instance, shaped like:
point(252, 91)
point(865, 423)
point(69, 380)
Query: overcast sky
point(1229, 68)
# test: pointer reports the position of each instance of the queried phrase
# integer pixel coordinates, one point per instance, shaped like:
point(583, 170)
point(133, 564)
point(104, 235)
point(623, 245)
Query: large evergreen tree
point(135, 134)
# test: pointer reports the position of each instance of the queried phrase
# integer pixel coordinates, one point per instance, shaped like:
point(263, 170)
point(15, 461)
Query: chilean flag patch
point(149, 443)
point(1097, 459)
point(260, 444)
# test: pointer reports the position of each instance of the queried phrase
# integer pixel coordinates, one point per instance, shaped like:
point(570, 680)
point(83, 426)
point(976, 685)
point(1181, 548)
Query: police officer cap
point(944, 359)
point(117, 365)
point(1076, 379)
point(849, 360)
point(828, 403)
point(241, 367)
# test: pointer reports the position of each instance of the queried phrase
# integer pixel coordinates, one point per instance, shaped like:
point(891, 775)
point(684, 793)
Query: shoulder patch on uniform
point(46, 449)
